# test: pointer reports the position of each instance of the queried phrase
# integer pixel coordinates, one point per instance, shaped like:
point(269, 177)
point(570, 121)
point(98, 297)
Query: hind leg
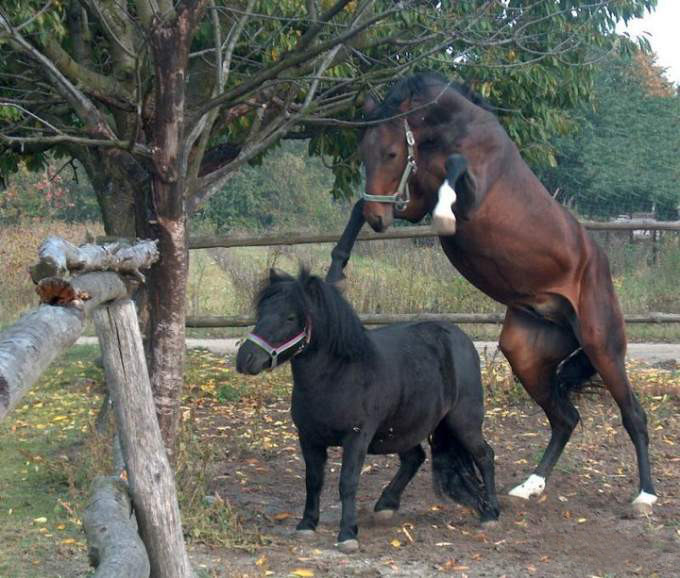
point(604, 341)
point(534, 348)
point(409, 463)
point(467, 427)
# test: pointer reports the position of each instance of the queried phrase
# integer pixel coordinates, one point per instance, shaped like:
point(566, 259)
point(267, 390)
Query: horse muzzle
point(379, 216)
point(251, 360)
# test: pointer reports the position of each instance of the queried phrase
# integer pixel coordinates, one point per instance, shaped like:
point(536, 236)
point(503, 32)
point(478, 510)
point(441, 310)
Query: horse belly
point(402, 435)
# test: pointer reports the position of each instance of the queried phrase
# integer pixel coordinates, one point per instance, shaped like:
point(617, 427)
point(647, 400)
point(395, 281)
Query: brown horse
point(435, 148)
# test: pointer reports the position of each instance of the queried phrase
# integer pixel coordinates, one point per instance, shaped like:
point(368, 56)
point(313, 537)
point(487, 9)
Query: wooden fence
point(414, 232)
point(28, 347)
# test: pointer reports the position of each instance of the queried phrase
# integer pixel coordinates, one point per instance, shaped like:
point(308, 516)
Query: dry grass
point(18, 250)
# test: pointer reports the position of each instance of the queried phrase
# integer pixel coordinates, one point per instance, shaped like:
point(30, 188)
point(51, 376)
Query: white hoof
point(305, 534)
point(642, 505)
point(383, 514)
point(534, 486)
point(443, 219)
point(348, 546)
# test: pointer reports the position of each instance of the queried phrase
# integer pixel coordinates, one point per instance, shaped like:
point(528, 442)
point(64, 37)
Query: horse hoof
point(642, 510)
point(348, 546)
point(383, 514)
point(305, 534)
point(490, 524)
point(534, 486)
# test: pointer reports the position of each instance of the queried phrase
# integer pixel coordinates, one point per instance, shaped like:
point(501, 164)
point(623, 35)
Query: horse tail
point(453, 470)
point(573, 373)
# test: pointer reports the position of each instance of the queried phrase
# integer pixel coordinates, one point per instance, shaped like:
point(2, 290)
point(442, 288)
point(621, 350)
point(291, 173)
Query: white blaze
point(443, 219)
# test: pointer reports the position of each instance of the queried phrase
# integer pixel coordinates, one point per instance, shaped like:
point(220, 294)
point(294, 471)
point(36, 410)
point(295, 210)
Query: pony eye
point(392, 155)
point(291, 317)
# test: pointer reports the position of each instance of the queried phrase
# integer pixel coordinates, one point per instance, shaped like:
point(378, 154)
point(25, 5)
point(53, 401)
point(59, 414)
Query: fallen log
point(39, 337)
point(114, 546)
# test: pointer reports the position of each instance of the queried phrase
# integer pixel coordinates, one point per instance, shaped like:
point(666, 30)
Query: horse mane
point(335, 325)
point(421, 84)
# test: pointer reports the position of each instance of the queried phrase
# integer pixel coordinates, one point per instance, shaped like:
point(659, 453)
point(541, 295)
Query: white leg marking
point(645, 498)
point(443, 219)
point(534, 486)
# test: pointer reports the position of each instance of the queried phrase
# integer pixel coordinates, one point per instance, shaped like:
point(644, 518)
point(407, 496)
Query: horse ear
point(277, 275)
point(369, 104)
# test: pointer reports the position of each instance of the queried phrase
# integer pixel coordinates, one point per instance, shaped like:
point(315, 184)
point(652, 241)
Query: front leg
point(315, 462)
point(342, 251)
point(354, 450)
point(443, 219)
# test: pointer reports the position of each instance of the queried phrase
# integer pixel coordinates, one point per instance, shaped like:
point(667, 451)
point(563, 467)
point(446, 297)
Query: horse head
point(300, 315)
point(406, 150)
point(282, 327)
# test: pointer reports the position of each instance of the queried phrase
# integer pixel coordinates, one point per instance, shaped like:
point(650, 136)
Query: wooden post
point(115, 547)
point(150, 477)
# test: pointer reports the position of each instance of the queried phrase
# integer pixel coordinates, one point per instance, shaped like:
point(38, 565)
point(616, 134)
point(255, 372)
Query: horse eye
point(392, 155)
point(292, 317)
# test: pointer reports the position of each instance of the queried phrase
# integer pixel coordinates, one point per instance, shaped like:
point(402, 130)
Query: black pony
point(381, 392)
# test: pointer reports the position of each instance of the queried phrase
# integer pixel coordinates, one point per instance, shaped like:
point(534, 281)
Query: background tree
point(162, 102)
point(625, 154)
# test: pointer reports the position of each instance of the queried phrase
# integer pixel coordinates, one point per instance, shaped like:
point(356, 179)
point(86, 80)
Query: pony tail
point(333, 319)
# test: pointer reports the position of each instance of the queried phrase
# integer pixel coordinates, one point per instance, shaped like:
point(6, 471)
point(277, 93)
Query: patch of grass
point(43, 471)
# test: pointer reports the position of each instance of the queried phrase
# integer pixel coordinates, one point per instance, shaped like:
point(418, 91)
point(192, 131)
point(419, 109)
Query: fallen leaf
point(280, 516)
point(302, 572)
point(395, 543)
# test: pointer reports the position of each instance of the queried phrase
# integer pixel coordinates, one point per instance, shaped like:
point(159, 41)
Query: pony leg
point(465, 424)
point(315, 460)
point(409, 463)
point(354, 450)
point(534, 349)
point(604, 341)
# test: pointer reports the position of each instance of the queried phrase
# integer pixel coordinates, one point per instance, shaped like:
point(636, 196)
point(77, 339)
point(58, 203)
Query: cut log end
point(57, 291)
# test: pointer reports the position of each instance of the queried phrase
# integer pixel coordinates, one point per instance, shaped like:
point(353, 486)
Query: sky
point(663, 26)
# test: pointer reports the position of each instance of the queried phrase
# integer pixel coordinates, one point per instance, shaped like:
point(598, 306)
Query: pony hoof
point(534, 486)
point(305, 534)
point(383, 514)
point(348, 546)
point(490, 524)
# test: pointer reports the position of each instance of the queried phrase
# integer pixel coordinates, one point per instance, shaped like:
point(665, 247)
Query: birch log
point(32, 343)
point(150, 477)
point(114, 546)
point(57, 257)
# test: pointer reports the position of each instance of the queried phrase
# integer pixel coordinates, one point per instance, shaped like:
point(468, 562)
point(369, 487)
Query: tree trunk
point(170, 42)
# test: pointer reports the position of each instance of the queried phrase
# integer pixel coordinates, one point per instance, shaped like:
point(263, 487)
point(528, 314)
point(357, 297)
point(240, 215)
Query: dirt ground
point(583, 525)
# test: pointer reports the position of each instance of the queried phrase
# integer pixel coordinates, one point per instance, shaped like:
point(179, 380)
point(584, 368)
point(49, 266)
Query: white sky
point(663, 26)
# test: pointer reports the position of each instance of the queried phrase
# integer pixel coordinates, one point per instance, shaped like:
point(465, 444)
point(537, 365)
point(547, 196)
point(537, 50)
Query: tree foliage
point(625, 155)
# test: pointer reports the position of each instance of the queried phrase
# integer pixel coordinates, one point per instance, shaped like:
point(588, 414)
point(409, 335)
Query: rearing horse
point(435, 148)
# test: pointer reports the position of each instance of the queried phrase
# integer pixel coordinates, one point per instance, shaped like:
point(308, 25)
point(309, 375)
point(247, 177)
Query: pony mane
point(335, 325)
point(421, 84)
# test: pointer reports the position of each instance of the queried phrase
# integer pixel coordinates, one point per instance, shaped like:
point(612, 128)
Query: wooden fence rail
point(384, 319)
point(415, 232)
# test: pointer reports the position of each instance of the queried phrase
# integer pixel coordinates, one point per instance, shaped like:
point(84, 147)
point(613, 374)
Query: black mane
point(420, 84)
point(335, 325)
